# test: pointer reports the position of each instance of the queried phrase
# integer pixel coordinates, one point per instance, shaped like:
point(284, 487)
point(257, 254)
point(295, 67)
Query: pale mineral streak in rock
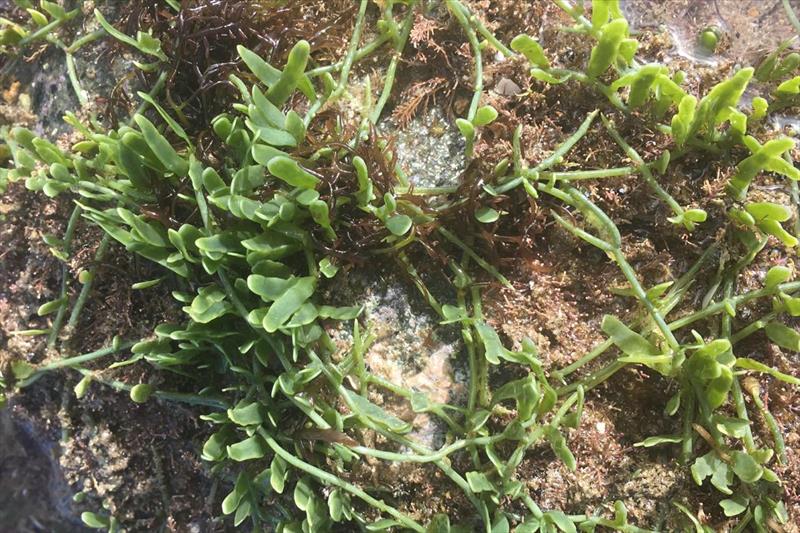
point(410, 349)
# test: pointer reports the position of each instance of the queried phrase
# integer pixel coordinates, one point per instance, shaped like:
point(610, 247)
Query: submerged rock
point(430, 149)
point(410, 349)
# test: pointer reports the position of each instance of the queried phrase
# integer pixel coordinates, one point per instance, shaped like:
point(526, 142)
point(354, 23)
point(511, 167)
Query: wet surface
point(748, 27)
point(35, 495)
point(430, 149)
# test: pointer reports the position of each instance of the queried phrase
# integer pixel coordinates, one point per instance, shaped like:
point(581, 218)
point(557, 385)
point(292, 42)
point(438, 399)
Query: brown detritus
point(200, 45)
point(30, 273)
point(106, 455)
point(418, 96)
point(436, 66)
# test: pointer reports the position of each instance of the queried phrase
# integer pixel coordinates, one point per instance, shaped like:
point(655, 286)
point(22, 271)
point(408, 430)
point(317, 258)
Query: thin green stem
point(474, 369)
point(412, 444)
point(566, 176)
point(391, 71)
point(481, 363)
point(85, 39)
point(574, 197)
point(363, 52)
point(734, 301)
point(772, 424)
point(700, 315)
point(72, 73)
point(531, 505)
point(791, 15)
point(157, 87)
point(597, 351)
point(566, 406)
point(576, 15)
point(477, 393)
point(741, 412)
point(744, 522)
point(611, 95)
point(74, 81)
point(647, 174)
point(671, 299)
point(483, 30)
point(87, 287)
point(191, 399)
point(75, 361)
point(475, 257)
point(431, 457)
point(594, 379)
point(47, 28)
point(705, 414)
point(425, 191)
point(352, 50)
point(558, 154)
point(736, 389)
point(794, 190)
point(55, 329)
point(359, 347)
point(577, 175)
point(639, 292)
point(477, 90)
point(330, 479)
point(687, 432)
point(435, 409)
point(419, 284)
point(753, 327)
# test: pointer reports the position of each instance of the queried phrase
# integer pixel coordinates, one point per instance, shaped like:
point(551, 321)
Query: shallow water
point(749, 27)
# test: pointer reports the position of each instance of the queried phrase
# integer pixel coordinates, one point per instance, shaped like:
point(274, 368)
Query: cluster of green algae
point(247, 248)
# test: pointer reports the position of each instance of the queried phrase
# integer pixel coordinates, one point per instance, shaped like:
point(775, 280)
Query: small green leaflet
point(292, 173)
point(377, 414)
point(627, 340)
point(289, 302)
point(252, 448)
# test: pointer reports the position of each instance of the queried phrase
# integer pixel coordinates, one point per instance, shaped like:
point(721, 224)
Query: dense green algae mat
point(251, 227)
